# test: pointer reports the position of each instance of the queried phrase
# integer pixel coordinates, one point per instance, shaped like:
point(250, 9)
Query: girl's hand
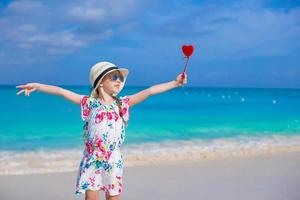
point(181, 80)
point(28, 88)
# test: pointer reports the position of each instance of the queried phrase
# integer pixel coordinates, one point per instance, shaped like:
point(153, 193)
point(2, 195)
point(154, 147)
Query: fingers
point(183, 76)
point(20, 86)
point(28, 85)
point(182, 79)
point(20, 92)
point(27, 89)
point(26, 92)
point(31, 90)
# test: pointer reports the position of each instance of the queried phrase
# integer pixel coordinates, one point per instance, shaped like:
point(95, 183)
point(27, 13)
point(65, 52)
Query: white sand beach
point(273, 176)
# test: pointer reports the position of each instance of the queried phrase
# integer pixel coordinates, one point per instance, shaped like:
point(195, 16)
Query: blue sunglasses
point(114, 77)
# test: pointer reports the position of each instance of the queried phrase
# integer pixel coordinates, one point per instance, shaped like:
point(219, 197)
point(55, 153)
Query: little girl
point(105, 116)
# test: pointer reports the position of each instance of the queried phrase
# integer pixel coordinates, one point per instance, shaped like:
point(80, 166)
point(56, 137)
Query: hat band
point(102, 74)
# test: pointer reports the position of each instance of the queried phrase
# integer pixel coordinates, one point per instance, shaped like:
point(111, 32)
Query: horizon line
point(241, 87)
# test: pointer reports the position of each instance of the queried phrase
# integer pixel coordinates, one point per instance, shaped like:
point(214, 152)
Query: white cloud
point(257, 32)
point(64, 27)
point(221, 31)
point(88, 13)
point(23, 6)
point(228, 31)
point(102, 12)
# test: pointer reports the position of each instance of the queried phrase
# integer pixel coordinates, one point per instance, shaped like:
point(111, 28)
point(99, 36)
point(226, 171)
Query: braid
point(120, 109)
point(119, 106)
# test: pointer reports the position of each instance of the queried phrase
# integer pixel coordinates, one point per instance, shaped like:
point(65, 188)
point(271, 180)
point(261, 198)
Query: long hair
point(120, 109)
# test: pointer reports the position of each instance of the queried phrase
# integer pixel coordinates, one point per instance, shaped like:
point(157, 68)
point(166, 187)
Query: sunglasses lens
point(114, 77)
point(121, 78)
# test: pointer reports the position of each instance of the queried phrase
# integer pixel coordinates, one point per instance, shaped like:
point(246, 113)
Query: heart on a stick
point(187, 50)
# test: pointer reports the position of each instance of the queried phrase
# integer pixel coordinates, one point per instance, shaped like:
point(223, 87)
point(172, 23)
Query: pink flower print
point(89, 147)
point(97, 154)
point(84, 99)
point(99, 117)
point(109, 115)
point(111, 186)
point(126, 100)
point(86, 111)
point(98, 142)
point(116, 116)
point(104, 188)
point(124, 110)
point(102, 151)
point(119, 177)
point(107, 155)
point(92, 181)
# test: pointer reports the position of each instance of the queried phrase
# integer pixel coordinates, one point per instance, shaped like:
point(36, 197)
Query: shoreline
point(56, 163)
point(47, 161)
point(262, 177)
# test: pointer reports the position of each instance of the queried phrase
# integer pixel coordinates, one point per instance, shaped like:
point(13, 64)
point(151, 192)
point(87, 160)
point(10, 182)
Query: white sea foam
point(149, 153)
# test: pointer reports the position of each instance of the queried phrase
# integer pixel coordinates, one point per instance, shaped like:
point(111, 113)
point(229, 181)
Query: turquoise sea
point(44, 122)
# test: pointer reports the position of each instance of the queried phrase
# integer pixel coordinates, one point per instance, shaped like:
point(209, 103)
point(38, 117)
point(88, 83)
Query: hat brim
point(123, 71)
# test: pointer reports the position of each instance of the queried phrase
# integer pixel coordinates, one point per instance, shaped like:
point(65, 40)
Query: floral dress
point(101, 166)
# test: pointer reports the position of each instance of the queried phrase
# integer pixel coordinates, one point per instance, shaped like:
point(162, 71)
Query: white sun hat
point(99, 70)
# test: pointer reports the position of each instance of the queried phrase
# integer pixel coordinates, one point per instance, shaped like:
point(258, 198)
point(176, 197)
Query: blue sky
point(237, 43)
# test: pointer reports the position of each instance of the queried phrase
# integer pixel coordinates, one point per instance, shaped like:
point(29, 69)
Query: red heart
point(187, 50)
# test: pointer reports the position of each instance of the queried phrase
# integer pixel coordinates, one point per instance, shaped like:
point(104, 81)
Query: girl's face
point(109, 85)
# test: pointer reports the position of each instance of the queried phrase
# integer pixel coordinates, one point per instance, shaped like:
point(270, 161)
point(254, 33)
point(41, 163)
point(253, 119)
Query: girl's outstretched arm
point(50, 89)
point(156, 89)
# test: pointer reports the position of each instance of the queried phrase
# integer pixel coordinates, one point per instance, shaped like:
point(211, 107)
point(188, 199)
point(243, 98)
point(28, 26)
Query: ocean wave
point(44, 161)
